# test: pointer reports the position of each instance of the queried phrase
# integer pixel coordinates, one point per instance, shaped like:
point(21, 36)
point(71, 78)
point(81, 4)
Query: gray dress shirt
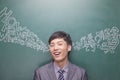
point(65, 68)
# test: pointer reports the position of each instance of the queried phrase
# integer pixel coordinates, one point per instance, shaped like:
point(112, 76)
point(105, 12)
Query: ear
point(69, 47)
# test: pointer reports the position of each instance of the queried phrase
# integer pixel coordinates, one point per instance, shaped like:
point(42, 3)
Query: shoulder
point(78, 69)
point(78, 72)
point(44, 67)
point(41, 72)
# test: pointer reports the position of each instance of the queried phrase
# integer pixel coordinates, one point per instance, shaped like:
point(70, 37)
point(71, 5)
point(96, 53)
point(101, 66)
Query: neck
point(61, 64)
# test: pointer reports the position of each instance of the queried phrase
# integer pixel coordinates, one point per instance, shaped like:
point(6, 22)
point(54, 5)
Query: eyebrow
point(57, 42)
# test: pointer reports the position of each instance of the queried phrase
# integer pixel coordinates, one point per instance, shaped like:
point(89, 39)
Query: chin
point(58, 60)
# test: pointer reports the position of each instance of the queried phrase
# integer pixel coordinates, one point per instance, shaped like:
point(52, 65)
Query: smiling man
point(61, 68)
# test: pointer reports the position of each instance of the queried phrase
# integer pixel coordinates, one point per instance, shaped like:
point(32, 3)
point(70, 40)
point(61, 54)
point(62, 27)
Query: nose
point(55, 47)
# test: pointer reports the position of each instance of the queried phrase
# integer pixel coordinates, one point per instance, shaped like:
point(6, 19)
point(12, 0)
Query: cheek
point(66, 49)
point(51, 49)
point(65, 52)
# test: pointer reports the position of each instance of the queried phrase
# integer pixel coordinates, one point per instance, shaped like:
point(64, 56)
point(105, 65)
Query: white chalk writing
point(106, 40)
point(11, 31)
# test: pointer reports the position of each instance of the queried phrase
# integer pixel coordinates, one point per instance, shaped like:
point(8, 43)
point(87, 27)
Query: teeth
point(57, 53)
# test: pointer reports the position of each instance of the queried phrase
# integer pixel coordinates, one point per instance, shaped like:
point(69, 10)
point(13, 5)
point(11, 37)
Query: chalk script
point(106, 40)
point(11, 31)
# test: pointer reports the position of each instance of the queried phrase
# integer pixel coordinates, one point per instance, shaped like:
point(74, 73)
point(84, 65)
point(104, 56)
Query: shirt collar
point(65, 68)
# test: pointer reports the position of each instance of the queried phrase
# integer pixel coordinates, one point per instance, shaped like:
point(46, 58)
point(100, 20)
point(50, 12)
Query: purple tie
point(61, 72)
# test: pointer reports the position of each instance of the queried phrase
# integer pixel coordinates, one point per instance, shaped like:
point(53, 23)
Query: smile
point(57, 53)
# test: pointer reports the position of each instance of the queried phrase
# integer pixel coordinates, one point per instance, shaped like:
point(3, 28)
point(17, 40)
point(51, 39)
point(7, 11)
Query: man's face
point(59, 49)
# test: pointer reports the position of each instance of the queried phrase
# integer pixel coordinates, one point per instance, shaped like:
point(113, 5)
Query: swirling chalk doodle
point(14, 33)
point(106, 40)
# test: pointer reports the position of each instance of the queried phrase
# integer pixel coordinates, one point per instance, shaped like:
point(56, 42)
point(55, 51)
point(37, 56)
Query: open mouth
point(56, 53)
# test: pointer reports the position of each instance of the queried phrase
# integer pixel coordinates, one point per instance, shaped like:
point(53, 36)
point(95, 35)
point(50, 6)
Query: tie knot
point(61, 71)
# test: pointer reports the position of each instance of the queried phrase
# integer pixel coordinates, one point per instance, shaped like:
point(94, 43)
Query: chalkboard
point(25, 27)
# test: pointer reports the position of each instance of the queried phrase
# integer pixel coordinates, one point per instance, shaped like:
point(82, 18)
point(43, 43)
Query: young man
point(60, 69)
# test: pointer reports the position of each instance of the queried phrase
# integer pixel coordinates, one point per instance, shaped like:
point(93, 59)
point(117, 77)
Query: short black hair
point(61, 34)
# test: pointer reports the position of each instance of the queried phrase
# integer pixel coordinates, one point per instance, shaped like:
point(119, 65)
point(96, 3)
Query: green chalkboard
point(25, 27)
